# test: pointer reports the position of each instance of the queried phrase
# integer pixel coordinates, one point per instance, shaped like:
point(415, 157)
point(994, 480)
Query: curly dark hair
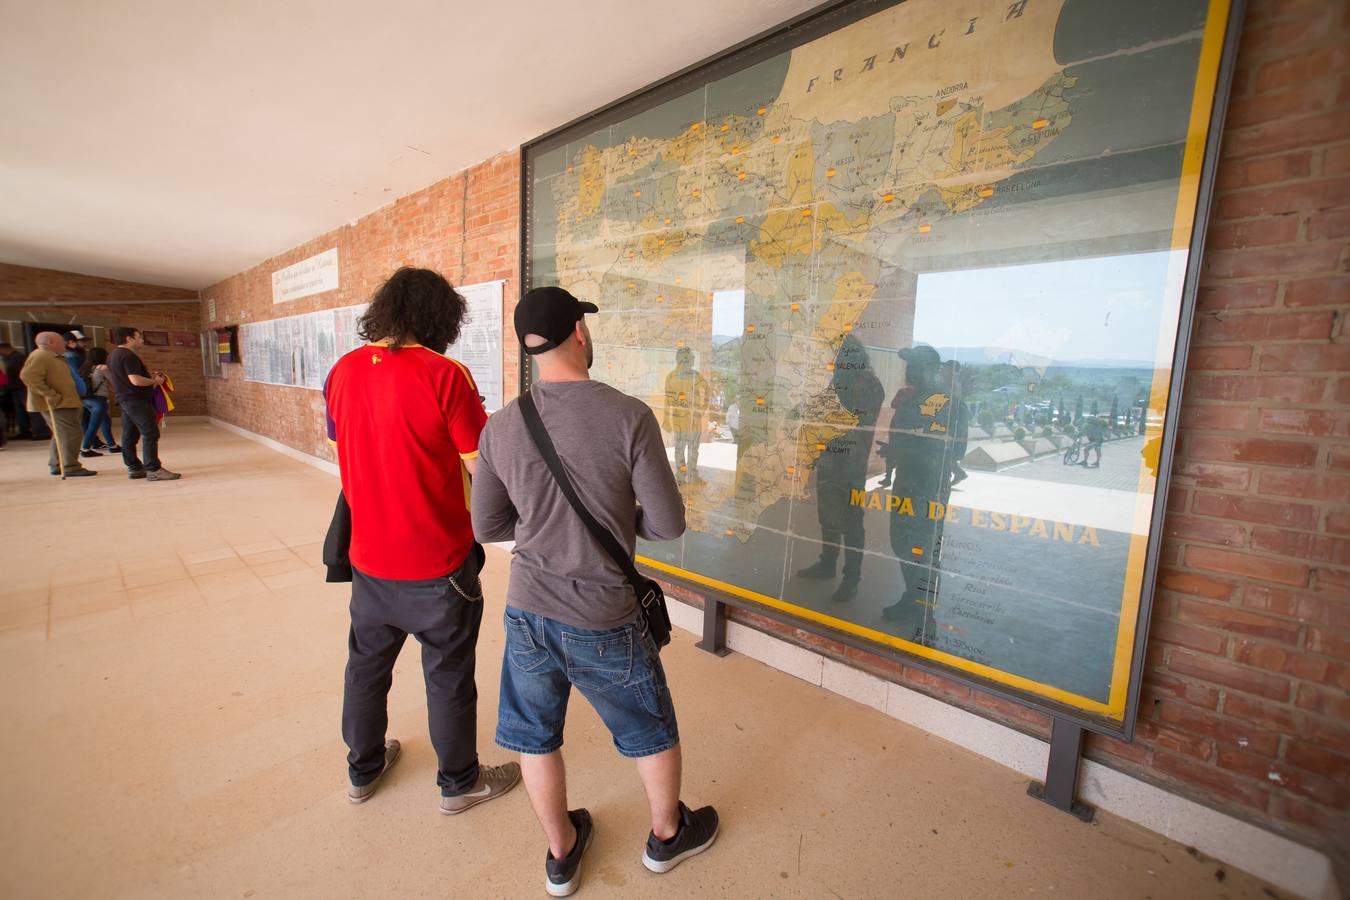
point(415, 306)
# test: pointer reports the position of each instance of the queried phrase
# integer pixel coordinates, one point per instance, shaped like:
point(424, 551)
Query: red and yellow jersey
point(403, 422)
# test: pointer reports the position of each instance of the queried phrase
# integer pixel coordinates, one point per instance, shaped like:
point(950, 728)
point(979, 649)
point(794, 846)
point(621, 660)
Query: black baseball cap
point(551, 313)
point(920, 355)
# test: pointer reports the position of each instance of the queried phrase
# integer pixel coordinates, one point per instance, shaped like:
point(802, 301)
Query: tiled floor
point(171, 663)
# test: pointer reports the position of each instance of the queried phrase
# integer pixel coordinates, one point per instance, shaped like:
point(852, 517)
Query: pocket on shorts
point(599, 661)
point(521, 649)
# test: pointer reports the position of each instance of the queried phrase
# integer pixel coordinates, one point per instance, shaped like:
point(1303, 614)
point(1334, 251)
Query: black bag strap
point(602, 534)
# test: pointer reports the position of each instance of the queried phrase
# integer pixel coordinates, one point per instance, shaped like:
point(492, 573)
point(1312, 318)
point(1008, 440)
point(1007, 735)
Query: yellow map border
point(1211, 51)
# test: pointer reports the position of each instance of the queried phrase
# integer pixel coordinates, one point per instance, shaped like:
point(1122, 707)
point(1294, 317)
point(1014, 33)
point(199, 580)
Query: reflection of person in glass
point(920, 448)
point(686, 409)
point(842, 469)
point(1095, 431)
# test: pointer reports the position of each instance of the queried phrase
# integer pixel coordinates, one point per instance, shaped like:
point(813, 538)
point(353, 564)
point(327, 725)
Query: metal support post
point(714, 627)
point(1061, 772)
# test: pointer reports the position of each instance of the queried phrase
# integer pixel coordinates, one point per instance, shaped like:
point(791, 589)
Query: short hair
point(6, 345)
point(125, 333)
point(414, 306)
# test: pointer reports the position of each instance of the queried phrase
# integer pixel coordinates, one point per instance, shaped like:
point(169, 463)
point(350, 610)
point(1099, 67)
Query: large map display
point(904, 298)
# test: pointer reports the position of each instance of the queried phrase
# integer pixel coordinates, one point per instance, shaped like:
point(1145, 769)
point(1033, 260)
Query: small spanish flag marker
point(761, 111)
point(987, 191)
point(759, 401)
point(775, 139)
point(609, 365)
point(820, 445)
point(696, 126)
point(740, 220)
point(848, 327)
point(697, 192)
point(660, 298)
point(726, 126)
point(792, 470)
point(829, 173)
point(678, 279)
point(660, 242)
point(683, 467)
point(679, 343)
point(749, 329)
point(794, 307)
point(1040, 123)
point(887, 198)
point(925, 228)
point(632, 151)
point(740, 176)
point(637, 193)
point(829, 367)
point(806, 212)
point(632, 253)
point(682, 397)
point(632, 284)
point(917, 551)
point(729, 532)
point(667, 220)
point(735, 148)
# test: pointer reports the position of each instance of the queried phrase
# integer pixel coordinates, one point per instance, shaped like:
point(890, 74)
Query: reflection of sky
point(728, 315)
point(1104, 308)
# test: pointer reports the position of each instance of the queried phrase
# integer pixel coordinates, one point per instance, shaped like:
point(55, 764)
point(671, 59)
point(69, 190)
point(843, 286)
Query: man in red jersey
point(405, 419)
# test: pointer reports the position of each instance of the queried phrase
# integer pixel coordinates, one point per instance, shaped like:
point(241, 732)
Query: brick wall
point(1244, 705)
point(22, 290)
point(467, 227)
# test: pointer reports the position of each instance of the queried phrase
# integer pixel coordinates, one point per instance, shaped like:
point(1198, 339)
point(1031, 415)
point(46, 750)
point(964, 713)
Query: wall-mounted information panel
point(904, 284)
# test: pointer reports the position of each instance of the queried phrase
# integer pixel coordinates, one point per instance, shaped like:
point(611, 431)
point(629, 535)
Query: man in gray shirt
point(571, 616)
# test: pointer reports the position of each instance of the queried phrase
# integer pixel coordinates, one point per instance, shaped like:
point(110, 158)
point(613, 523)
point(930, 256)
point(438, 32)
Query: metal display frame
point(1069, 726)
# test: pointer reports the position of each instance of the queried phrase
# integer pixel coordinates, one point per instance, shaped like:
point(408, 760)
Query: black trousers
point(384, 613)
point(138, 422)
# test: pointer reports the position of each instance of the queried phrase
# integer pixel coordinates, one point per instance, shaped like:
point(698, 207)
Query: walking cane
point(51, 422)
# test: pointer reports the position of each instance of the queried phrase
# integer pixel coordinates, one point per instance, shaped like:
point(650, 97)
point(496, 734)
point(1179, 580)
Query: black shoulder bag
point(651, 600)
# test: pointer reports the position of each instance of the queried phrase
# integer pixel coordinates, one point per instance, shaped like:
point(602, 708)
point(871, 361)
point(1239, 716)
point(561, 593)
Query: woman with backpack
point(95, 374)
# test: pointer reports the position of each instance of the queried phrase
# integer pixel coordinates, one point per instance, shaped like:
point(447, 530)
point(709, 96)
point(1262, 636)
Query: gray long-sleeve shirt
point(611, 447)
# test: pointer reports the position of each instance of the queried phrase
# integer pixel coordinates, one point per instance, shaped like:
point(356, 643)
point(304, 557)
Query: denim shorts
point(618, 670)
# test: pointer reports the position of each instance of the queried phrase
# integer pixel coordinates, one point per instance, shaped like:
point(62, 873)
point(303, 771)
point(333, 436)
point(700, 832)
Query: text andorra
point(1030, 526)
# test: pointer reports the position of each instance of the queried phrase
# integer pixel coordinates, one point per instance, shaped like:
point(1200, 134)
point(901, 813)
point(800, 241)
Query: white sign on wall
point(306, 278)
point(480, 339)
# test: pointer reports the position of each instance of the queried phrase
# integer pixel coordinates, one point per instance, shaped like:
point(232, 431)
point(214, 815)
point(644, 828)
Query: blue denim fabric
point(618, 670)
point(98, 419)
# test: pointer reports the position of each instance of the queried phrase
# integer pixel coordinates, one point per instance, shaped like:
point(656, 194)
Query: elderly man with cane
point(52, 392)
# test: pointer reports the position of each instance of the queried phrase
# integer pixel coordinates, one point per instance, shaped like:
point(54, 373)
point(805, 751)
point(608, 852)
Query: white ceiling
point(178, 142)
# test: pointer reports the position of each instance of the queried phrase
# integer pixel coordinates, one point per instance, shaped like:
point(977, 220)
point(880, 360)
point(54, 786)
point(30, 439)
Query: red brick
point(1253, 450)
point(1098, 746)
point(1211, 475)
point(1301, 68)
point(1230, 562)
point(1253, 509)
point(1195, 584)
point(1308, 485)
point(1238, 621)
point(1161, 685)
point(1331, 736)
point(1337, 522)
point(1221, 358)
point(1160, 736)
point(1338, 459)
point(1010, 709)
point(1262, 232)
point(1328, 226)
point(1212, 779)
point(1312, 423)
point(1317, 291)
point(1185, 636)
point(1237, 174)
point(1315, 759)
point(1301, 545)
point(1306, 357)
point(1209, 417)
point(1190, 528)
point(1258, 326)
point(1264, 262)
point(1267, 202)
point(1207, 724)
point(1323, 701)
point(1314, 787)
point(1285, 134)
point(1336, 160)
point(1280, 36)
point(1237, 295)
point(1230, 674)
point(1276, 718)
point(1312, 815)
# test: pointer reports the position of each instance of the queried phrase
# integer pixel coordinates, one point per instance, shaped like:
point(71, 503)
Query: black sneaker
point(564, 875)
point(90, 454)
point(698, 830)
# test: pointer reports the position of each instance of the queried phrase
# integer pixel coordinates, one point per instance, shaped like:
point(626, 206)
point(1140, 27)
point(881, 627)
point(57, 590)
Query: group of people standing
point(69, 387)
point(426, 476)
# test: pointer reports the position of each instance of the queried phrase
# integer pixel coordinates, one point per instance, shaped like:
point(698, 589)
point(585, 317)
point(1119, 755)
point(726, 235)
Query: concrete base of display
point(1285, 863)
